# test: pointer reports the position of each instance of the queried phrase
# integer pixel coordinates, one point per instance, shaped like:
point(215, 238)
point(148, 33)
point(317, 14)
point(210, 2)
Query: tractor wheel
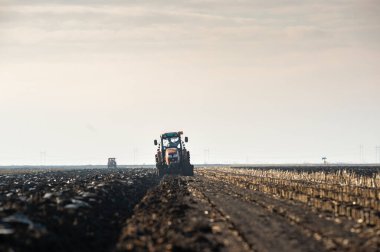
point(188, 170)
point(191, 170)
point(160, 172)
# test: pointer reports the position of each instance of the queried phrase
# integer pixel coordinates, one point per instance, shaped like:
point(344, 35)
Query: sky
point(248, 81)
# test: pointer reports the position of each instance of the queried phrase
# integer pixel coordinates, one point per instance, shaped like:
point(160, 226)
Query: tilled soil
point(75, 210)
point(176, 217)
point(216, 210)
point(203, 214)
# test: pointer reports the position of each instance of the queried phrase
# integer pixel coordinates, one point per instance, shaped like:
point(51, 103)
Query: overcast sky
point(250, 80)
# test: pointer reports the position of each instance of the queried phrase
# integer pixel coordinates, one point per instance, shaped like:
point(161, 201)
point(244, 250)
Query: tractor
point(172, 157)
point(112, 163)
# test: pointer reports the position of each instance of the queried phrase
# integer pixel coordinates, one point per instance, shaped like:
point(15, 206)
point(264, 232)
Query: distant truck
point(172, 157)
point(112, 163)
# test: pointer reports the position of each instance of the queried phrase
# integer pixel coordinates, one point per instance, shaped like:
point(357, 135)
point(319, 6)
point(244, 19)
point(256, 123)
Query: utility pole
point(134, 155)
point(207, 155)
point(361, 154)
point(42, 158)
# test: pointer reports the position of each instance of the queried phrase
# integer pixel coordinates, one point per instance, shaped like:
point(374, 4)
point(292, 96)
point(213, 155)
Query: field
point(295, 208)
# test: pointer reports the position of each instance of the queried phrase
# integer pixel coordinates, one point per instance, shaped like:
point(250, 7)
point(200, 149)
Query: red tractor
point(172, 156)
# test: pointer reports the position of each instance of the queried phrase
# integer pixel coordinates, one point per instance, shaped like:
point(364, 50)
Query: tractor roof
point(171, 134)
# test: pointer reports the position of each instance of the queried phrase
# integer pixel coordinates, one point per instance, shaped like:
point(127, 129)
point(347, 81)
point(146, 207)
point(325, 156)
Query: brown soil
point(75, 210)
point(211, 213)
point(216, 210)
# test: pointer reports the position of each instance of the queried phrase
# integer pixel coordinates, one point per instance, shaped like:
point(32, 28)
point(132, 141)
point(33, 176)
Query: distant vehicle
point(112, 163)
point(172, 157)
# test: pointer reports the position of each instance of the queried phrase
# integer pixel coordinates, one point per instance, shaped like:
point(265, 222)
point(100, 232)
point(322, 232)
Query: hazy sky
point(250, 80)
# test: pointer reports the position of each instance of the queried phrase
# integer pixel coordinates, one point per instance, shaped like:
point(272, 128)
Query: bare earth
point(212, 214)
point(216, 210)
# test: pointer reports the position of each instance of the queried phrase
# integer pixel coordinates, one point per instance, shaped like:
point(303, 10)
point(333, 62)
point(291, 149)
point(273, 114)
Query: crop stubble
point(258, 210)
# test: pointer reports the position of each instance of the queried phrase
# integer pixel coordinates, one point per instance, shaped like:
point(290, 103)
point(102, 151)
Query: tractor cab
point(170, 143)
point(171, 147)
point(171, 140)
point(112, 163)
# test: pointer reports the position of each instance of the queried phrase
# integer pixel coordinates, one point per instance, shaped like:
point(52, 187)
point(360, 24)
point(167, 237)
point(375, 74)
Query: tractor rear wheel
point(160, 172)
point(188, 170)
